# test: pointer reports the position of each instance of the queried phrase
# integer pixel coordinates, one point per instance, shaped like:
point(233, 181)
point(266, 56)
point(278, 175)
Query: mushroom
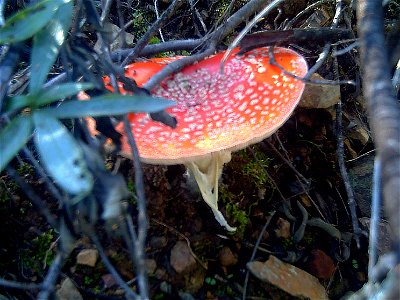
point(216, 113)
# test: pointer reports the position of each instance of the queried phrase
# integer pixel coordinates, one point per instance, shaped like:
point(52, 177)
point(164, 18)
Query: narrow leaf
point(61, 91)
point(47, 96)
point(61, 155)
point(46, 45)
point(109, 105)
point(28, 21)
point(13, 137)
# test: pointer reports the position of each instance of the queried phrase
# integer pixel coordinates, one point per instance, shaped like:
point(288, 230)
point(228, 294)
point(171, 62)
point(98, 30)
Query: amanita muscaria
point(216, 113)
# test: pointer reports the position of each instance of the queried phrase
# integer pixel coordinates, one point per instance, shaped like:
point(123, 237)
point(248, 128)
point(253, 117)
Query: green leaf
point(61, 91)
point(61, 155)
point(109, 105)
point(13, 137)
point(28, 21)
point(47, 96)
point(46, 45)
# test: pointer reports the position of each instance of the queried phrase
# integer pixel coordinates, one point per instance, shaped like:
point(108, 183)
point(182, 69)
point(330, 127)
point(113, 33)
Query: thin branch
point(49, 283)
point(141, 43)
point(375, 217)
point(253, 254)
point(33, 197)
point(7, 65)
point(212, 39)
point(306, 10)
point(148, 50)
point(142, 212)
point(12, 284)
point(185, 238)
point(248, 27)
point(128, 291)
point(342, 166)
point(382, 106)
point(42, 173)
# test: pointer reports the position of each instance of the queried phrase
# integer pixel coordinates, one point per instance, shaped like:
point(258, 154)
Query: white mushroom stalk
point(207, 172)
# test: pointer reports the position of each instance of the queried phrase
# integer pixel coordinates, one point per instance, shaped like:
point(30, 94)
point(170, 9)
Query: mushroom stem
point(207, 172)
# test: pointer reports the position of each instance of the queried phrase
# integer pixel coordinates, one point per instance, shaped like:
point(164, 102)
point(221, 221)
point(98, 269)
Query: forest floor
point(189, 255)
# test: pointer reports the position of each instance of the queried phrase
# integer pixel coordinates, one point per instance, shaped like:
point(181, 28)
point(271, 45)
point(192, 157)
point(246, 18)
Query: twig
point(324, 54)
point(212, 39)
point(42, 173)
point(375, 217)
point(141, 43)
point(361, 156)
point(273, 62)
point(12, 284)
point(33, 197)
point(2, 13)
point(7, 65)
point(253, 254)
point(236, 41)
point(158, 16)
point(159, 48)
point(342, 166)
point(49, 283)
point(266, 173)
point(307, 182)
point(299, 15)
point(142, 213)
point(106, 5)
point(128, 291)
point(176, 66)
point(185, 238)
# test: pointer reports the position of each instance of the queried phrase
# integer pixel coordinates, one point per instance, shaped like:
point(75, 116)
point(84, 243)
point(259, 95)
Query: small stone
point(283, 229)
point(68, 291)
point(321, 265)
point(227, 257)
point(158, 242)
point(319, 96)
point(161, 274)
point(289, 278)
point(87, 257)
point(151, 265)
point(385, 233)
point(181, 258)
point(108, 281)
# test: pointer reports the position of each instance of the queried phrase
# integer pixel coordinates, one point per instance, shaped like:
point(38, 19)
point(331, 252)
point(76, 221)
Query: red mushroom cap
point(215, 111)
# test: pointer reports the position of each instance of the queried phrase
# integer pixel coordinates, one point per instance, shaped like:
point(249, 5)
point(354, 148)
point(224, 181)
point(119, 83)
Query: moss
point(25, 169)
point(40, 253)
point(231, 203)
point(255, 168)
point(141, 22)
point(132, 189)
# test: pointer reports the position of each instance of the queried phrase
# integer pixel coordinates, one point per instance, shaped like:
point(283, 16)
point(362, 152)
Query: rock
point(319, 96)
point(321, 265)
point(161, 274)
point(68, 291)
point(87, 257)
point(283, 229)
point(108, 281)
point(181, 258)
point(116, 42)
point(158, 242)
point(360, 178)
point(227, 258)
point(289, 278)
point(151, 265)
point(185, 296)
point(384, 235)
